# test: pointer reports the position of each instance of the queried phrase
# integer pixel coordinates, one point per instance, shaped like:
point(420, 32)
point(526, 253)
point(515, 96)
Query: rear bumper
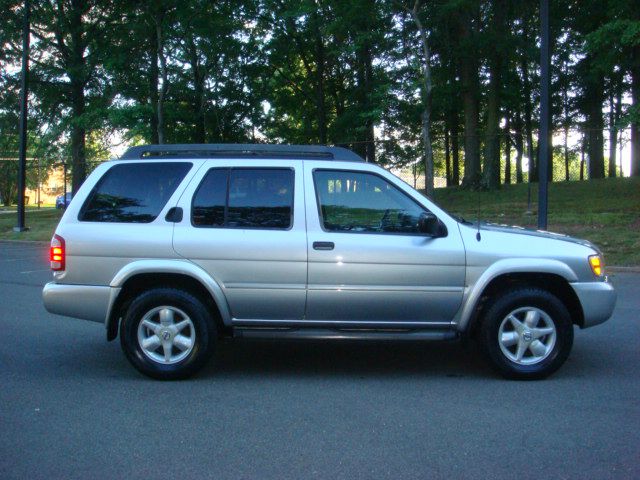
point(597, 299)
point(88, 302)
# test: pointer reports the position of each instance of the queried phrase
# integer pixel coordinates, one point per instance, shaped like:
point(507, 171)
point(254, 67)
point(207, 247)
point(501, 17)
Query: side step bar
point(328, 334)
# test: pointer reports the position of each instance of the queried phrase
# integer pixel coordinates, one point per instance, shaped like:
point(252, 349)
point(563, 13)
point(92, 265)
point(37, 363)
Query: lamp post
point(543, 166)
point(24, 94)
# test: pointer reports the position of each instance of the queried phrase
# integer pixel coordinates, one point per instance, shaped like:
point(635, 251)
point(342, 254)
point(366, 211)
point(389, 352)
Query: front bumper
point(88, 302)
point(597, 299)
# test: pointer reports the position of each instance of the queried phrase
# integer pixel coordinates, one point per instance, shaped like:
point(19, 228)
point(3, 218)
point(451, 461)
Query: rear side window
point(133, 192)
point(245, 198)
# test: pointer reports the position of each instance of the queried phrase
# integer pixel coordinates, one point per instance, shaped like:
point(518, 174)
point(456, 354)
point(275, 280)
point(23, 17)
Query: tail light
point(57, 253)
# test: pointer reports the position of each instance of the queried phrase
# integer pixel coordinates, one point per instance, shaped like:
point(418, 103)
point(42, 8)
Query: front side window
point(364, 203)
point(244, 198)
point(133, 192)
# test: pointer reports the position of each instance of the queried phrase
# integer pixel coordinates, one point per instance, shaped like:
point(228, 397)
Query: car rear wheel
point(167, 334)
point(527, 333)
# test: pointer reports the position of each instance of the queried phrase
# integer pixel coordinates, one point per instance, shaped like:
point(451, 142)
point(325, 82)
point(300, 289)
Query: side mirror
point(429, 224)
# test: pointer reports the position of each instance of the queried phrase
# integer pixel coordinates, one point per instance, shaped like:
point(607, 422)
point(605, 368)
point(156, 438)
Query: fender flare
point(183, 267)
point(501, 267)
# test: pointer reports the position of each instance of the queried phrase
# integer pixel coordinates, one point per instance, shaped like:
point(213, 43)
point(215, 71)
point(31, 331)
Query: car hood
point(494, 227)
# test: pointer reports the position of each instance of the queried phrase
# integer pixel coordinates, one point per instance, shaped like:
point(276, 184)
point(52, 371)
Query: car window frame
point(364, 172)
point(226, 205)
point(101, 180)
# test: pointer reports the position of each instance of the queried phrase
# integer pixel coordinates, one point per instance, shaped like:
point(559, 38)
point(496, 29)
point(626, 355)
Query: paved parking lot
point(72, 407)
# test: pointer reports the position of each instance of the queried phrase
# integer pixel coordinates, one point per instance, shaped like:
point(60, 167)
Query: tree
point(67, 59)
point(614, 45)
point(425, 95)
point(498, 48)
point(469, 73)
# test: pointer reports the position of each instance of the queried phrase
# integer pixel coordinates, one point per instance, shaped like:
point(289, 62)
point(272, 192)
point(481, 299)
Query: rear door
point(244, 223)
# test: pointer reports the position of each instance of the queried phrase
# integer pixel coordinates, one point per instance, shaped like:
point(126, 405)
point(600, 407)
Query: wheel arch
point(143, 275)
point(554, 277)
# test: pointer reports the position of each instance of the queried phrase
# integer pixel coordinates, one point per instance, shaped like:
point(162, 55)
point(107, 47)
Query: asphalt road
point(72, 407)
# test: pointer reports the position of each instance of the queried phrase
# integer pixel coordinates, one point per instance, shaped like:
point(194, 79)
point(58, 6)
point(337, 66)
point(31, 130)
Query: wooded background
point(447, 87)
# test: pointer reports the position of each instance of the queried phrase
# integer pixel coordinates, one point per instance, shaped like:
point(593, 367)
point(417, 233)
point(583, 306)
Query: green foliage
point(308, 71)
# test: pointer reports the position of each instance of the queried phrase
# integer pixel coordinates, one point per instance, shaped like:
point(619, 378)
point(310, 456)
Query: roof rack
point(301, 152)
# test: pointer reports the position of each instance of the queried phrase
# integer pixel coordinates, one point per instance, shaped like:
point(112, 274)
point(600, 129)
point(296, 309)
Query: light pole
point(24, 94)
point(543, 159)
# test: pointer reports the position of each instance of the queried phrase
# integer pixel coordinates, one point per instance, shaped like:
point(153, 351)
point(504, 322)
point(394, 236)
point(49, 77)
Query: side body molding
point(475, 288)
point(183, 267)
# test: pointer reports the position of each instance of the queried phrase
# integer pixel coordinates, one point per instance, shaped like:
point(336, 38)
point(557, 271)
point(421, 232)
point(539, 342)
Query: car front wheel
point(527, 333)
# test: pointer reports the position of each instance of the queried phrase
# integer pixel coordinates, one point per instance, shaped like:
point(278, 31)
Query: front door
point(367, 260)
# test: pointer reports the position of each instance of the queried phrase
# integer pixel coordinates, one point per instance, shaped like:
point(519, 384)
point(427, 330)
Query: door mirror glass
point(429, 224)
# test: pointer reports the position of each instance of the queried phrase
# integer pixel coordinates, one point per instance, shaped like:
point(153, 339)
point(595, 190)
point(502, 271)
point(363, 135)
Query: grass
point(41, 224)
point(607, 212)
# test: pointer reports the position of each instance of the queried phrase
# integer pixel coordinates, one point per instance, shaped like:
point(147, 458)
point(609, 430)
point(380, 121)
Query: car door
point(367, 260)
point(245, 225)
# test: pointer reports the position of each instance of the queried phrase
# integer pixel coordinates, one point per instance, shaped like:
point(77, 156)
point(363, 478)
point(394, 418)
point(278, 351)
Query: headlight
point(597, 265)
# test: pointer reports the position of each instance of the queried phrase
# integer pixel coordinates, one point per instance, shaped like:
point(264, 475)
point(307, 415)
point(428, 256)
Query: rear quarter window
point(133, 192)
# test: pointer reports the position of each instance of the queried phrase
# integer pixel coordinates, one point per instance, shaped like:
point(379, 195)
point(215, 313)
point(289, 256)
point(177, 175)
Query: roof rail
point(258, 150)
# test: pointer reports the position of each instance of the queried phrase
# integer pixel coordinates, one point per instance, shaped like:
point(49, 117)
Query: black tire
point(203, 336)
point(522, 300)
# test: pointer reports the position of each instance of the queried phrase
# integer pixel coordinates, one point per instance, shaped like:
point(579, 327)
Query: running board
point(327, 334)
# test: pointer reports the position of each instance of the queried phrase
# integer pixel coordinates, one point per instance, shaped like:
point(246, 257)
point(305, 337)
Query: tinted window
point(245, 198)
point(210, 199)
point(364, 202)
point(133, 193)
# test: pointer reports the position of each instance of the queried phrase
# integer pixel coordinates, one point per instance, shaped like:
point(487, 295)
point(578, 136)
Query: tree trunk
point(78, 135)
point(635, 124)
point(163, 75)
point(198, 73)
point(566, 152)
point(364, 93)
point(528, 122)
point(492, 138)
point(593, 99)
point(582, 150)
point(321, 110)
point(613, 135)
point(153, 88)
point(368, 84)
point(507, 151)
point(470, 99)
point(426, 101)
point(455, 151)
point(78, 81)
point(519, 141)
point(447, 156)
point(566, 122)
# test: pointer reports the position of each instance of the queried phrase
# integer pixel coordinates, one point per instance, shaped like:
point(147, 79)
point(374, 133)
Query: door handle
point(323, 245)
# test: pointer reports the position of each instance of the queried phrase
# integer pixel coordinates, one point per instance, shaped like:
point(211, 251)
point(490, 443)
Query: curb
point(27, 242)
point(615, 269)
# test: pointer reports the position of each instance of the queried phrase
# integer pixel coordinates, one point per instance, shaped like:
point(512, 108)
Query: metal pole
point(64, 179)
point(38, 183)
point(24, 94)
point(543, 166)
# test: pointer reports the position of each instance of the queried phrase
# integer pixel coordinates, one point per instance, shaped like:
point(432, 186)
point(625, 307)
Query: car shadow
point(348, 358)
point(285, 359)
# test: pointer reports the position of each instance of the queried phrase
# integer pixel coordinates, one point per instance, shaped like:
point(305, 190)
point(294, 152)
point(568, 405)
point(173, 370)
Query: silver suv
point(175, 246)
